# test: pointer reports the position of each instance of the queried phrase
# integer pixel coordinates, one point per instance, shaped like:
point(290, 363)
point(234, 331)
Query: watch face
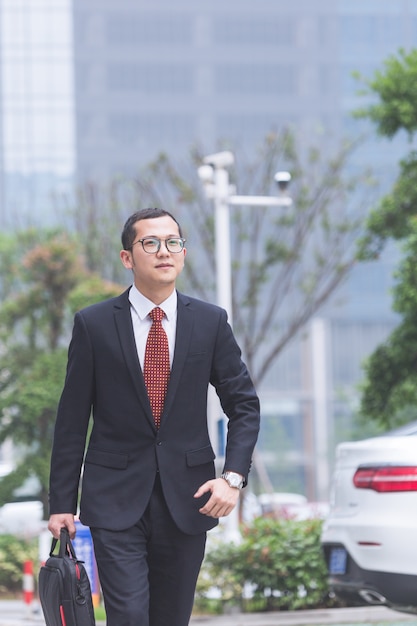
point(233, 479)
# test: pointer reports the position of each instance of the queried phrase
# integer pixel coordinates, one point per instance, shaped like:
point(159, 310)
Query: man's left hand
point(223, 498)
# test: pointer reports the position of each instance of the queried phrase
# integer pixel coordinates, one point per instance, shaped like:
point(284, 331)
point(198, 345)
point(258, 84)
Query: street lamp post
point(215, 178)
point(222, 240)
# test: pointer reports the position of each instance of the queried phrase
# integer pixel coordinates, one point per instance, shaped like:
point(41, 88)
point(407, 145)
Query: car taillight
point(383, 479)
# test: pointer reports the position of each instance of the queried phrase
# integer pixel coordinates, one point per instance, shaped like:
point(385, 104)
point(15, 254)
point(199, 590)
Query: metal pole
point(320, 403)
point(224, 288)
point(222, 243)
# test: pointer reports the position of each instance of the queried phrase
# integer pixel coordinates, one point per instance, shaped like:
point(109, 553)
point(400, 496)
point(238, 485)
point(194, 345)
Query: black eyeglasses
point(152, 245)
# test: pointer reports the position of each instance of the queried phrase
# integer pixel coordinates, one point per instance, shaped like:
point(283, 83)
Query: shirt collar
point(143, 306)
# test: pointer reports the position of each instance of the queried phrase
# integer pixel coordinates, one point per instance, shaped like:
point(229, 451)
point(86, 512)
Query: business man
point(142, 363)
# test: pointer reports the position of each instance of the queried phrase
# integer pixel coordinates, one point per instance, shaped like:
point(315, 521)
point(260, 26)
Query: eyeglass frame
point(181, 239)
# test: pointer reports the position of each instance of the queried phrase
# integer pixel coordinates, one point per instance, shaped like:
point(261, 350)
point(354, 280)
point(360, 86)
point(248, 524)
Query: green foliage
point(396, 88)
point(389, 391)
point(390, 388)
point(405, 290)
point(27, 414)
point(48, 271)
point(50, 283)
point(31, 397)
point(396, 214)
point(8, 263)
point(90, 291)
point(390, 377)
point(13, 553)
point(281, 561)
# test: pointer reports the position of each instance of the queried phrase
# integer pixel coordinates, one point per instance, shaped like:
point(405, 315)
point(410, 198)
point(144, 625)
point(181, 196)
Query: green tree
point(389, 391)
point(389, 394)
point(50, 283)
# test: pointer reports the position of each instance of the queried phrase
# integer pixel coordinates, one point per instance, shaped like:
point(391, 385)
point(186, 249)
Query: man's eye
point(150, 243)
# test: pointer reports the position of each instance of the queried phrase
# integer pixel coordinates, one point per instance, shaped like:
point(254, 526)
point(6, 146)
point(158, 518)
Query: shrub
point(13, 553)
point(279, 561)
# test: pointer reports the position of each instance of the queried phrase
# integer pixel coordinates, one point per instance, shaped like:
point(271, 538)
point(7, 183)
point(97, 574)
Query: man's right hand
point(61, 520)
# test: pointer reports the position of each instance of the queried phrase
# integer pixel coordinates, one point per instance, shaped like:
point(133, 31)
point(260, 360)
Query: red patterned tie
point(156, 366)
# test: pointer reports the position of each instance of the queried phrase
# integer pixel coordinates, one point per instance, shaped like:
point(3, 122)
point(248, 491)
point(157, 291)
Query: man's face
point(159, 270)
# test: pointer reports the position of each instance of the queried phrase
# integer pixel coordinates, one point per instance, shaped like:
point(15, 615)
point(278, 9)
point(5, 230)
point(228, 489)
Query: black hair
point(129, 232)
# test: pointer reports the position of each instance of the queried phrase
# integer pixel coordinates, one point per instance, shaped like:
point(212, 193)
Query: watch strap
point(233, 479)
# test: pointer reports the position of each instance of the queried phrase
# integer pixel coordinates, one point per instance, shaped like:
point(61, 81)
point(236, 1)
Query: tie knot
point(156, 314)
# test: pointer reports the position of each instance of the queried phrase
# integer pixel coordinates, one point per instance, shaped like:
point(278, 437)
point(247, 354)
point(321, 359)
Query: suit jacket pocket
point(200, 456)
point(114, 460)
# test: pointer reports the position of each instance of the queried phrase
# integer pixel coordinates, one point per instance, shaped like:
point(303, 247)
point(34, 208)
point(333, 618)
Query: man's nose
point(163, 249)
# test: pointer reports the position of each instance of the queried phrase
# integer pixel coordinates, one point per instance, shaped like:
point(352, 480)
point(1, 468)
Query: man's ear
point(126, 258)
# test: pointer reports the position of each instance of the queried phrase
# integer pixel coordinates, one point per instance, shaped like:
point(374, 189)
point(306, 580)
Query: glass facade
point(235, 71)
point(37, 113)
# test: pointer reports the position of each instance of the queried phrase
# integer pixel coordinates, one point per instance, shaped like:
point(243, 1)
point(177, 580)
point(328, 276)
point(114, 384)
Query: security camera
point(220, 159)
point(205, 173)
point(283, 180)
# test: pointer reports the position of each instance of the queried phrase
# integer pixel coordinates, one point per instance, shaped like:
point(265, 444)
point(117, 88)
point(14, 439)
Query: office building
point(37, 139)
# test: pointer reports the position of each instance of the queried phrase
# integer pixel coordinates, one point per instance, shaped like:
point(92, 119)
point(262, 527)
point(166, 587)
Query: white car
point(22, 518)
point(369, 537)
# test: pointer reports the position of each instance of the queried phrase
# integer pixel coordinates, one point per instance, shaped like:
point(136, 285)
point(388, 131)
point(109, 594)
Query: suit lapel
point(185, 322)
point(123, 321)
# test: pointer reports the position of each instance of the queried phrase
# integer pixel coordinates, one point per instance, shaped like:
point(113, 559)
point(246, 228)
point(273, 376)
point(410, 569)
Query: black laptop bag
point(64, 587)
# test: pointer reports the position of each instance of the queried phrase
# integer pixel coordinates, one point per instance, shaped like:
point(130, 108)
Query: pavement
point(16, 613)
point(358, 616)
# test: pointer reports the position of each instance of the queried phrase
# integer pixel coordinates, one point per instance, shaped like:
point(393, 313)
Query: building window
point(328, 79)
point(131, 28)
point(266, 30)
point(150, 78)
point(253, 127)
point(383, 30)
point(253, 79)
point(129, 128)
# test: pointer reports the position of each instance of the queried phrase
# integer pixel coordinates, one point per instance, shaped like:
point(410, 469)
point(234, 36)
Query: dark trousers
point(148, 573)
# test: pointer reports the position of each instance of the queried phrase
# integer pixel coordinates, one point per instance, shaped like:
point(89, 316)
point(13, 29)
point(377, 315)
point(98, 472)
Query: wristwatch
point(233, 479)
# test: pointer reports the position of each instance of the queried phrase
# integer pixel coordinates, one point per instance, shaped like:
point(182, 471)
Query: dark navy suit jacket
point(125, 450)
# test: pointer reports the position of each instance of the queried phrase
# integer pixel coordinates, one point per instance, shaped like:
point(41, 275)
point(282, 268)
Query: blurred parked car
point(369, 537)
point(24, 514)
point(291, 505)
point(21, 518)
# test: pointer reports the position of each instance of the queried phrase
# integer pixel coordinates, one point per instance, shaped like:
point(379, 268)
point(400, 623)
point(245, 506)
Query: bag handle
point(65, 545)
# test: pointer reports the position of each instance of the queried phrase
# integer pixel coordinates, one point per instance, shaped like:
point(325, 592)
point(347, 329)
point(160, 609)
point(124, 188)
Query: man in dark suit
point(149, 491)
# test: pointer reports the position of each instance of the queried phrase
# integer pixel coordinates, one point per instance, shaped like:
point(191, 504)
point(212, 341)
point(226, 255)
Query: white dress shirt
point(140, 309)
